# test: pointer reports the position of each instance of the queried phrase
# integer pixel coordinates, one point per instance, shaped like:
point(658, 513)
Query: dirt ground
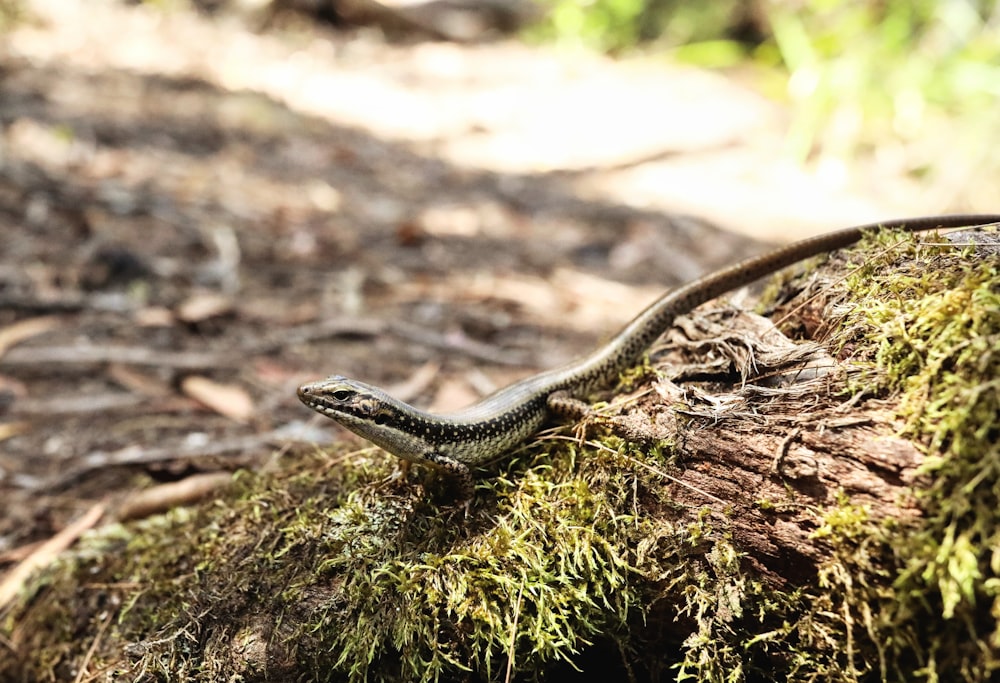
point(197, 217)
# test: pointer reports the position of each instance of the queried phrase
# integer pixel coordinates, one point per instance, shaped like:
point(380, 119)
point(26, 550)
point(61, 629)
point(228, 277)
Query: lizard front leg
point(458, 469)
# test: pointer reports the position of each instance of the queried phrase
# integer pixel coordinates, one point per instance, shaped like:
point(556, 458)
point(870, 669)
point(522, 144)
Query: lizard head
point(367, 411)
point(343, 399)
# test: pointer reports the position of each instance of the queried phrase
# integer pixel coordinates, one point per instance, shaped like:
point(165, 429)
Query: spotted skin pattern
point(506, 419)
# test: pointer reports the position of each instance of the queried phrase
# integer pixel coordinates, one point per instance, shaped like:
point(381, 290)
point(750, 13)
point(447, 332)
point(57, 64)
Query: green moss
point(372, 581)
point(932, 315)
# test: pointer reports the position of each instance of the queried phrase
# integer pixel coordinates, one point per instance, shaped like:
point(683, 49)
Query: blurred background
point(205, 204)
point(764, 115)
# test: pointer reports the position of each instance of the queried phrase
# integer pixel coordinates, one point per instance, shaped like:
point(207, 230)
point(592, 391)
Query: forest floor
point(197, 216)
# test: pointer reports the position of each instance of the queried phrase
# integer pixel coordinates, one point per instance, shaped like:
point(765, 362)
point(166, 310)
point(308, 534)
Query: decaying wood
point(763, 439)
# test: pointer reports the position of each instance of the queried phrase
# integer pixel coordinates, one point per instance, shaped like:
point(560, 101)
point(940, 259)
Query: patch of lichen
point(925, 327)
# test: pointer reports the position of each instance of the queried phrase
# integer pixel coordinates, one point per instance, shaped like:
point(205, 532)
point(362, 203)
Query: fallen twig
point(46, 552)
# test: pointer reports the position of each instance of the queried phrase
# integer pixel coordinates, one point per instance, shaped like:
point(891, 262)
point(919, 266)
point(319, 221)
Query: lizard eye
point(342, 394)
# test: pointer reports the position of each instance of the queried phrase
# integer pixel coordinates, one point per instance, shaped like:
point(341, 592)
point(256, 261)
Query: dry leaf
point(204, 305)
point(25, 329)
point(153, 316)
point(9, 429)
point(226, 399)
point(138, 382)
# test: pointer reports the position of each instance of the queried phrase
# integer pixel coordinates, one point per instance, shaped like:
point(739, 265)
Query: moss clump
point(369, 580)
point(926, 324)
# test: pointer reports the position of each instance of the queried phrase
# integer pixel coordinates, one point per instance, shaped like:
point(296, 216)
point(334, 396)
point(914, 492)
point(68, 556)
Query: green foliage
point(12, 12)
point(606, 25)
point(861, 75)
point(864, 72)
point(618, 26)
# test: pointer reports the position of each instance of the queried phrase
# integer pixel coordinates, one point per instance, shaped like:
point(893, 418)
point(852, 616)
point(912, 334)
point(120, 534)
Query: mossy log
point(814, 499)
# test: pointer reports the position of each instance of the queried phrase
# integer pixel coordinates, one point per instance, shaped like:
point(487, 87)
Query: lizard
point(502, 421)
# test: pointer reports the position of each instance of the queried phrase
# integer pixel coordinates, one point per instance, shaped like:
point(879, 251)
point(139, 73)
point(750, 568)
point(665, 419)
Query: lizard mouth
point(317, 396)
point(308, 395)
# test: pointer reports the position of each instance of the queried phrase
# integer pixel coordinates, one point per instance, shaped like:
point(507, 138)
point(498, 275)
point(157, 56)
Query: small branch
point(165, 496)
point(200, 360)
point(137, 455)
point(133, 355)
point(46, 552)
